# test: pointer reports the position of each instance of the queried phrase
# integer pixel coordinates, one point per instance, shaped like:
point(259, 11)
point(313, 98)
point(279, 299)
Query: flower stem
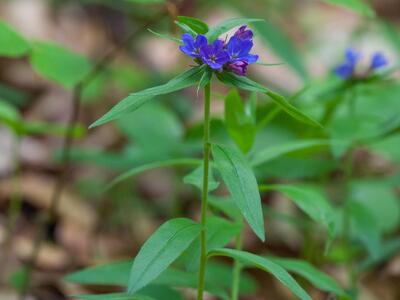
point(206, 157)
point(237, 269)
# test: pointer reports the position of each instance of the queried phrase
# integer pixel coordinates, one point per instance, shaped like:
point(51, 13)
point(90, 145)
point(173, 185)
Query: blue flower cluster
point(234, 55)
point(352, 57)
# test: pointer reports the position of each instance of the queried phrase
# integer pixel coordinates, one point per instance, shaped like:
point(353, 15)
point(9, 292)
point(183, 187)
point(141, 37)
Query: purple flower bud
point(239, 67)
point(243, 33)
point(378, 61)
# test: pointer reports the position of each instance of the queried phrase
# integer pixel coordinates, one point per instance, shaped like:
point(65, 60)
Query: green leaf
point(116, 273)
point(154, 165)
point(195, 178)
point(239, 123)
point(205, 78)
point(226, 206)
point(166, 36)
point(358, 6)
point(10, 116)
point(135, 100)
point(242, 184)
point(281, 44)
point(12, 44)
point(219, 233)
point(388, 248)
point(160, 250)
point(146, 1)
point(245, 83)
point(319, 279)
point(311, 202)
point(362, 228)
point(59, 64)
point(388, 147)
point(195, 24)
point(266, 265)
point(276, 151)
point(386, 211)
point(113, 296)
point(227, 25)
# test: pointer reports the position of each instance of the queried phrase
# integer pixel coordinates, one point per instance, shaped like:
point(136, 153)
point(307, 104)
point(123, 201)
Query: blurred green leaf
point(154, 165)
point(135, 100)
point(275, 38)
point(363, 228)
point(12, 44)
point(303, 268)
point(359, 6)
point(160, 250)
point(239, 123)
point(388, 147)
point(380, 200)
point(389, 248)
point(249, 85)
point(10, 116)
point(275, 151)
point(113, 296)
point(311, 202)
point(166, 36)
point(227, 25)
point(195, 178)
point(146, 1)
point(266, 265)
point(226, 206)
point(195, 24)
point(59, 64)
point(242, 185)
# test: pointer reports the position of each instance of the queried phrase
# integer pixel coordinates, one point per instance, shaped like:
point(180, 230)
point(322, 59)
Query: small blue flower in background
point(378, 61)
point(215, 55)
point(191, 46)
point(347, 69)
point(234, 56)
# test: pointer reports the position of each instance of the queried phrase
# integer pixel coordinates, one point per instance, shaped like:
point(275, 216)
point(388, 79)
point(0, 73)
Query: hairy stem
point(206, 158)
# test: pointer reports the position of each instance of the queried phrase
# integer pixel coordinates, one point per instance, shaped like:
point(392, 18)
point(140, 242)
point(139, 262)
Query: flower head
point(243, 33)
point(346, 69)
point(214, 55)
point(238, 67)
point(238, 49)
point(378, 61)
point(191, 46)
point(234, 56)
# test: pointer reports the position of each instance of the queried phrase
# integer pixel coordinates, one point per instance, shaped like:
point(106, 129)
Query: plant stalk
point(237, 269)
point(206, 158)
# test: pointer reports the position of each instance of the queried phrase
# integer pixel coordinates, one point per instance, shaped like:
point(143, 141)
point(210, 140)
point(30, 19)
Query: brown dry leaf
point(37, 190)
point(51, 257)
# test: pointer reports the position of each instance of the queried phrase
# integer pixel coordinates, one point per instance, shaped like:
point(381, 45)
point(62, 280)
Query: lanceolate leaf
point(275, 151)
point(118, 274)
point(160, 250)
point(154, 165)
point(281, 44)
point(267, 265)
point(227, 25)
point(245, 83)
point(135, 100)
point(166, 36)
point(59, 64)
point(319, 279)
point(311, 202)
point(242, 185)
point(239, 122)
point(113, 296)
point(195, 24)
point(359, 6)
point(12, 44)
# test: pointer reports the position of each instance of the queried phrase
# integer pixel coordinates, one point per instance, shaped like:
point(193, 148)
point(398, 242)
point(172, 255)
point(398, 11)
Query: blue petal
point(345, 70)
point(251, 58)
point(378, 61)
point(201, 41)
